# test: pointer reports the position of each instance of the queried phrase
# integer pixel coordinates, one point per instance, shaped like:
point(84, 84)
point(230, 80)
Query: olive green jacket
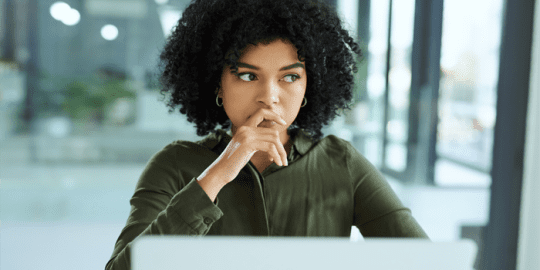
point(327, 188)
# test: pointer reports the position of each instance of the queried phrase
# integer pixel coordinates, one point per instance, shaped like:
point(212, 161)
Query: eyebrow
point(295, 65)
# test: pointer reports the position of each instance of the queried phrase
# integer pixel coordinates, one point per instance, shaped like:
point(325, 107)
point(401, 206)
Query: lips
point(266, 123)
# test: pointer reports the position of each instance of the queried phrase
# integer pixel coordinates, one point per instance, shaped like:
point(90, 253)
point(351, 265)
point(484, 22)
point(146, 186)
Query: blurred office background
point(434, 110)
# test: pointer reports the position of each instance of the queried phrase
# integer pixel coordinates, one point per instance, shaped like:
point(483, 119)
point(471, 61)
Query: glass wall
point(80, 115)
point(399, 84)
point(427, 112)
point(376, 80)
point(468, 91)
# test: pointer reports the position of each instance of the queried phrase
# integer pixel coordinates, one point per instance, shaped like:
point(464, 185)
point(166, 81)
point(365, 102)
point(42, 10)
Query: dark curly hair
point(212, 34)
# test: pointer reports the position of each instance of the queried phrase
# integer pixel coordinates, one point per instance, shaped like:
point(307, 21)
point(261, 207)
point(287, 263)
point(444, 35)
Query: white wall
point(529, 235)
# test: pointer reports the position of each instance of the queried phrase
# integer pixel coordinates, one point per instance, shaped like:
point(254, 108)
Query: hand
point(257, 134)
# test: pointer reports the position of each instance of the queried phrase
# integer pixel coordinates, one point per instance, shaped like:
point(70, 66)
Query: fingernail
point(283, 122)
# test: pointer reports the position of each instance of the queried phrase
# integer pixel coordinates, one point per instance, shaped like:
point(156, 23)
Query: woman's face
point(269, 76)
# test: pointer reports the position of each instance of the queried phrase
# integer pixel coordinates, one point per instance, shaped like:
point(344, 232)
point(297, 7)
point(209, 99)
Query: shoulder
point(336, 147)
point(345, 155)
point(191, 152)
point(181, 152)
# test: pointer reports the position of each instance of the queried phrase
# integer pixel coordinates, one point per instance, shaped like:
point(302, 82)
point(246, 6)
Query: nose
point(269, 93)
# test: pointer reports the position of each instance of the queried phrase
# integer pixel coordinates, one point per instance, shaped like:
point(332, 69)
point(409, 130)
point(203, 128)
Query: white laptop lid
point(221, 252)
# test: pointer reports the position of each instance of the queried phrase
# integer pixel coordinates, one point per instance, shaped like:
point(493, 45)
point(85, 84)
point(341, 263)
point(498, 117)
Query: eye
point(291, 78)
point(248, 77)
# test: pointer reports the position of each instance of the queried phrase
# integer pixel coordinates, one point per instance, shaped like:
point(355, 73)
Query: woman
point(274, 72)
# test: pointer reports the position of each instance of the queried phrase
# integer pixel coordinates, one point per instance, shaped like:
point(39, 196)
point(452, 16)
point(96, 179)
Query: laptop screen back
point(222, 252)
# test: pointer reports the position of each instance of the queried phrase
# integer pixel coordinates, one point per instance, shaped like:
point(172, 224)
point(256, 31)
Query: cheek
point(299, 93)
point(294, 101)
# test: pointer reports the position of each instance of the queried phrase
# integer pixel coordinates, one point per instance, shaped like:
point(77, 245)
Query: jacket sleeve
point(378, 212)
point(164, 202)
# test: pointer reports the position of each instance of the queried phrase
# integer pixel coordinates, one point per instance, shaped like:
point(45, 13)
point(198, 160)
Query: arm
point(378, 212)
point(164, 203)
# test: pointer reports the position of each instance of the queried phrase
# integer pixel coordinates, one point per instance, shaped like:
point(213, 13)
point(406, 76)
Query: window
point(417, 125)
point(471, 35)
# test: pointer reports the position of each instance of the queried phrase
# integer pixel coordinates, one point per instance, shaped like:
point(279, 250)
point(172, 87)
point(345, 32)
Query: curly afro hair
point(212, 34)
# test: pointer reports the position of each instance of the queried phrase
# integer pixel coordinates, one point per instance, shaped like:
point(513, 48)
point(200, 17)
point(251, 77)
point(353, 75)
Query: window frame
point(424, 91)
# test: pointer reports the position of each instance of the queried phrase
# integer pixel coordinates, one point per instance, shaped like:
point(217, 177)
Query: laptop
point(243, 253)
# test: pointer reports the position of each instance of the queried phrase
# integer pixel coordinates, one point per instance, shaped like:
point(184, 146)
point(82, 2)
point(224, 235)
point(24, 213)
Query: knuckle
point(242, 129)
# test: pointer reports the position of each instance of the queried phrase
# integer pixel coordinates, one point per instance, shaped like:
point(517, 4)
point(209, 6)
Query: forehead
point(278, 50)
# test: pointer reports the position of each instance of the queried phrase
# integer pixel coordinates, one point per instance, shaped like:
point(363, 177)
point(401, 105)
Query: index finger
point(264, 114)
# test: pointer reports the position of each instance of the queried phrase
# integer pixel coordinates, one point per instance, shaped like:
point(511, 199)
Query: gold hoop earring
point(217, 103)
point(304, 103)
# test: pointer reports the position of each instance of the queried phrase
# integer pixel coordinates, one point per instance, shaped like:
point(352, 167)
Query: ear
point(219, 91)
